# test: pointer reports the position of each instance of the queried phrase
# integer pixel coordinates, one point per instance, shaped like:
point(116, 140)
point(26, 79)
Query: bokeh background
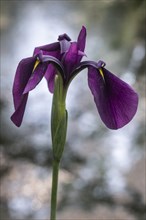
point(102, 174)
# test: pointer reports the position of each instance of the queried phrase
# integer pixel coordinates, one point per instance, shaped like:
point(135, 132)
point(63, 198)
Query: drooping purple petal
point(82, 39)
point(48, 49)
point(116, 101)
point(50, 77)
point(23, 73)
point(17, 116)
point(36, 77)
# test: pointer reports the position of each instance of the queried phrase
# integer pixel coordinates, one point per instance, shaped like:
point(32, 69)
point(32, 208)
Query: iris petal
point(64, 45)
point(82, 39)
point(70, 59)
point(53, 60)
point(116, 101)
point(23, 73)
point(64, 41)
point(81, 66)
point(64, 37)
point(48, 49)
point(50, 77)
point(17, 117)
point(36, 77)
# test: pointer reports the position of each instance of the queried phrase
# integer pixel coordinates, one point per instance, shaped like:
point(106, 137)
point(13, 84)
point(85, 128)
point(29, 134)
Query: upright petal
point(64, 45)
point(116, 101)
point(23, 73)
point(64, 41)
point(71, 59)
point(82, 39)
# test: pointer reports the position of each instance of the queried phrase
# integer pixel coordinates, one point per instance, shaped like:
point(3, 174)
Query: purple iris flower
point(115, 100)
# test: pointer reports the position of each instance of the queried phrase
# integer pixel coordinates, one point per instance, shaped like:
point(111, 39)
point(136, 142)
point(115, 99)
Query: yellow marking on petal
point(36, 64)
point(101, 72)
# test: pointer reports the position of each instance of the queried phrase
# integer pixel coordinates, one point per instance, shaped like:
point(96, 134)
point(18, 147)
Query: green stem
point(58, 132)
point(54, 189)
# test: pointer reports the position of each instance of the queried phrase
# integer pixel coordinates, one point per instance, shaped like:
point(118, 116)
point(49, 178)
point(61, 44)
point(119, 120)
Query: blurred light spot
point(36, 204)
point(138, 52)
point(129, 77)
point(115, 180)
point(27, 191)
point(21, 205)
point(120, 151)
point(86, 174)
point(87, 124)
point(79, 184)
